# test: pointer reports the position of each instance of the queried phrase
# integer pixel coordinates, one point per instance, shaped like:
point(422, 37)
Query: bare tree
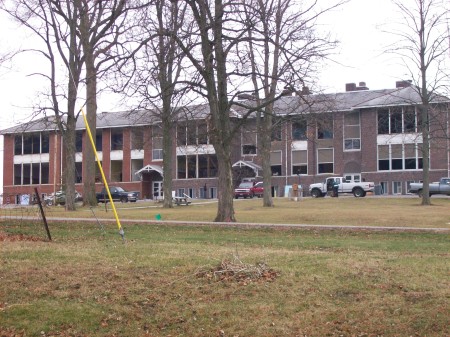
point(283, 50)
point(157, 70)
point(424, 45)
point(54, 23)
point(100, 25)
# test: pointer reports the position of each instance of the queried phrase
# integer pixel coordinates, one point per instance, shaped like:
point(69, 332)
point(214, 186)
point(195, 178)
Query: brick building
point(370, 134)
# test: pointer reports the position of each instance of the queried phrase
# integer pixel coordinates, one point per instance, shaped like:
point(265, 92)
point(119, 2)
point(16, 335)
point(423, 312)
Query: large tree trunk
point(264, 147)
point(167, 157)
point(91, 115)
point(225, 209)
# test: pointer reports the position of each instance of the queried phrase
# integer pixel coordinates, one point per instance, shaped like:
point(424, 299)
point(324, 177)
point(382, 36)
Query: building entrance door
point(157, 189)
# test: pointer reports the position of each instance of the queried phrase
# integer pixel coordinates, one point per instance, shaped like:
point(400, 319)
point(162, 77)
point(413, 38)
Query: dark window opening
point(299, 130)
point(45, 142)
point(26, 174)
point(45, 172)
point(396, 121)
point(410, 120)
point(181, 167)
point(383, 165)
point(27, 144)
point(276, 170)
point(17, 174)
point(397, 164)
point(383, 122)
point(116, 139)
point(300, 169)
point(79, 141)
point(249, 149)
point(326, 168)
point(98, 140)
point(410, 163)
point(36, 143)
point(35, 173)
point(17, 145)
point(192, 166)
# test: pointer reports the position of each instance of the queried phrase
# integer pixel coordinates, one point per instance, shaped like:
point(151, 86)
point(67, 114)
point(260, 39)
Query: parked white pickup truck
point(359, 189)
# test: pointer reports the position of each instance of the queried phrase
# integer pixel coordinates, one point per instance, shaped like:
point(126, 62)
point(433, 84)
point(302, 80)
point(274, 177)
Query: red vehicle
point(249, 189)
point(258, 189)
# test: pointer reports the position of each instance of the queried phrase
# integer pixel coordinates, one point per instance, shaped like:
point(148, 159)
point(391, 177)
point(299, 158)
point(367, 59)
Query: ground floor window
point(398, 157)
point(396, 187)
point(31, 173)
point(325, 161)
point(116, 170)
point(299, 162)
point(78, 173)
point(275, 163)
point(384, 187)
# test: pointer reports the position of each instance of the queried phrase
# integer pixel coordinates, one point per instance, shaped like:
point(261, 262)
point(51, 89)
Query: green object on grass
point(158, 217)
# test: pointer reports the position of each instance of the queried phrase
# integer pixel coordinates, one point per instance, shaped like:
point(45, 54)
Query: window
point(192, 133)
point(397, 157)
point(248, 149)
point(79, 141)
point(276, 131)
point(32, 173)
point(299, 129)
point(157, 148)
point(98, 140)
point(78, 173)
point(383, 158)
point(197, 166)
point(325, 162)
point(384, 187)
point(325, 128)
point(396, 187)
point(299, 162)
point(275, 163)
point(383, 122)
point(137, 138)
point(116, 139)
point(18, 145)
point(397, 120)
point(352, 136)
point(249, 140)
point(116, 170)
point(45, 142)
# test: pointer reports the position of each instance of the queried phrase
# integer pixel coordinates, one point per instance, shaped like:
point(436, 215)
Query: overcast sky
point(359, 26)
point(360, 57)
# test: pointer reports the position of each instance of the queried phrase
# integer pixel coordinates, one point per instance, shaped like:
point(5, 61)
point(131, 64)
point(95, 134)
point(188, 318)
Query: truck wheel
point(123, 200)
point(358, 192)
point(315, 193)
point(49, 203)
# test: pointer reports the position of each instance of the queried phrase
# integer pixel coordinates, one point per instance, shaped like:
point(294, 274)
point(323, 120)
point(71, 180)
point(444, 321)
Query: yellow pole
point(103, 174)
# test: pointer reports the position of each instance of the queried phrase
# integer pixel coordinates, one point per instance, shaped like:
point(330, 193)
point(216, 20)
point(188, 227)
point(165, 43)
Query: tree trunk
point(91, 115)
point(264, 146)
point(167, 158)
point(225, 209)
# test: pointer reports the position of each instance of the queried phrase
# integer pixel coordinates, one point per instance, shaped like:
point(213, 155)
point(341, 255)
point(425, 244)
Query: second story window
point(352, 131)
point(325, 128)
point(79, 141)
point(397, 120)
point(116, 139)
point(299, 129)
point(32, 143)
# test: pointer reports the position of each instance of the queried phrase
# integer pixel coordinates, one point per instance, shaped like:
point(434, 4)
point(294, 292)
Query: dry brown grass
point(329, 283)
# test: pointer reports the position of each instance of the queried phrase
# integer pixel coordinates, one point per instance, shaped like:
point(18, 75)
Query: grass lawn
point(171, 280)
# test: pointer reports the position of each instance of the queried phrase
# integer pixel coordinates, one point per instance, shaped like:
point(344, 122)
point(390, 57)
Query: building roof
point(286, 105)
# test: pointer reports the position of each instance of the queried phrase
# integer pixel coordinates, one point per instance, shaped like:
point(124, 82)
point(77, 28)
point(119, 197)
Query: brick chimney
point(350, 86)
point(403, 84)
point(353, 87)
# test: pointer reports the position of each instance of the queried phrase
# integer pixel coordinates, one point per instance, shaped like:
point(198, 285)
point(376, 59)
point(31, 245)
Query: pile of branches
point(237, 271)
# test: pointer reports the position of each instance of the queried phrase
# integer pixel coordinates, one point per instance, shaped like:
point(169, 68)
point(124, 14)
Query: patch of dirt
point(18, 237)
